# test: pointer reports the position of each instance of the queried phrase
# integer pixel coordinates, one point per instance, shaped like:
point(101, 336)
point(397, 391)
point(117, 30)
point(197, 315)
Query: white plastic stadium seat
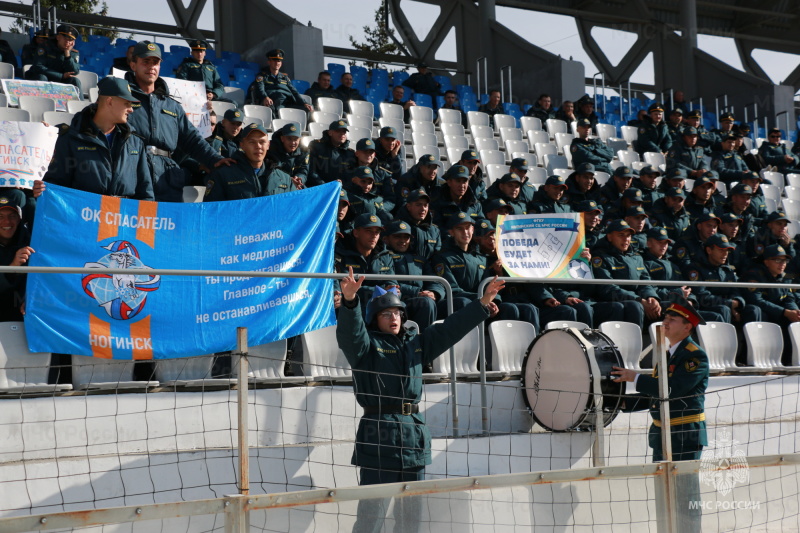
point(510, 134)
point(193, 194)
point(516, 146)
point(257, 111)
point(220, 108)
point(6, 71)
point(776, 179)
point(422, 113)
point(189, 372)
point(358, 121)
point(510, 342)
point(424, 138)
point(105, 374)
point(88, 81)
point(76, 106)
point(322, 358)
point(482, 132)
point(477, 118)
point(93, 94)
point(558, 324)
point(792, 192)
point(554, 126)
point(466, 356)
point(54, 118)
point(563, 141)
point(20, 369)
point(356, 134)
point(601, 177)
point(531, 124)
point(362, 108)
point(628, 338)
point(537, 137)
point(278, 123)
point(330, 105)
point(421, 149)
point(393, 111)
point(629, 133)
point(252, 120)
point(494, 172)
point(489, 157)
point(36, 106)
point(236, 94)
point(456, 141)
point(324, 117)
point(537, 175)
point(295, 115)
point(792, 208)
point(545, 149)
point(504, 121)
point(794, 336)
point(718, 339)
point(316, 129)
point(482, 144)
point(453, 130)
point(449, 116)
point(764, 345)
point(654, 158)
point(423, 126)
point(552, 162)
point(266, 364)
point(616, 144)
point(627, 157)
point(604, 131)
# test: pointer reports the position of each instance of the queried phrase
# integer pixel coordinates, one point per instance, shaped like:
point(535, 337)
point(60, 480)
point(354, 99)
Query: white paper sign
point(193, 98)
point(25, 152)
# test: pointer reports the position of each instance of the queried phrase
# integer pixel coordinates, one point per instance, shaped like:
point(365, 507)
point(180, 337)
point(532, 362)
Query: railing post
point(666, 498)
point(237, 517)
point(244, 450)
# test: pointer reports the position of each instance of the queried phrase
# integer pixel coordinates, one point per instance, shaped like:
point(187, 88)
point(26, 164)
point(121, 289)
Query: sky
point(555, 33)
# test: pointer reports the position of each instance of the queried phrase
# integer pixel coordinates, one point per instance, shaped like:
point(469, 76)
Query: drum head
point(557, 380)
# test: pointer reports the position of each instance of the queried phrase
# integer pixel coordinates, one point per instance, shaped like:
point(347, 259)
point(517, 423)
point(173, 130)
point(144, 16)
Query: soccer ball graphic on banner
point(579, 270)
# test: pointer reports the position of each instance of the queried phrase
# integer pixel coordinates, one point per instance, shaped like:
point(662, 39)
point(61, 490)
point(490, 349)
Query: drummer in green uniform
point(687, 377)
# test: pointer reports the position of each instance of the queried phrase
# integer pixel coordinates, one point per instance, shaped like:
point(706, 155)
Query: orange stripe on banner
point(108, 204)
point(147, 235)
point(100, 337)
point(140, 333)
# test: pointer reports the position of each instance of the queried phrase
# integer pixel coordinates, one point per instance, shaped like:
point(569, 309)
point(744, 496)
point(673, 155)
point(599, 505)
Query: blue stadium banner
point(146, 316)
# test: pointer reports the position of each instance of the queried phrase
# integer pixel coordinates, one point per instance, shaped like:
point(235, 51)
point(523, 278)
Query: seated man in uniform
point(653, 132)
point(274, 89)
point(548, 199)
point(251, 176)
point(686, 154)
point(321, 88)
point(330, 158)
point(363, 251)
point(58, 60)
point(422, 175)
point(463, 265)
point(98, 136)
point(398, 98)
point(586, 150)
point(493, 106)
point(420, 297)
point(776, 154)
point(617, 261)
point(198, 68)
point(423, 82)
point(39, 40)
point(455, 197)
point(426, 240)
point(346, 92)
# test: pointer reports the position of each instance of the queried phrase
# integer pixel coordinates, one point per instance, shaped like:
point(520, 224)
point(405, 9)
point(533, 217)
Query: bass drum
point(557, 378)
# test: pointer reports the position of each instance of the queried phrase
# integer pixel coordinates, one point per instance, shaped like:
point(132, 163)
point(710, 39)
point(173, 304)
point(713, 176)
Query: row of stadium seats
point(23, 372)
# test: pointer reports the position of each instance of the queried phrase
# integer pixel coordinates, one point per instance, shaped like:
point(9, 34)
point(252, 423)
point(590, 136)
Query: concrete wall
point(83, 452)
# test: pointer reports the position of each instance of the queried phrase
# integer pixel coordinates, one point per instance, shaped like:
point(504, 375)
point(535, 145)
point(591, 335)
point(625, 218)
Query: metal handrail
point(485, 423)
point(249, 274)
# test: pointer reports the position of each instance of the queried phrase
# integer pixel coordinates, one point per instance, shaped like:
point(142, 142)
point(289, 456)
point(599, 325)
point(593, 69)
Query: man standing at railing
point(393, 443)
point(687, 377)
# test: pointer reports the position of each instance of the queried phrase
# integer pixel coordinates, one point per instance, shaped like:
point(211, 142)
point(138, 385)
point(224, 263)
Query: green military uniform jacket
point(443, 206)
point(518, 204)
point(327, 163)
point(409, 264)
point(681, 156)
point(663, 270)
point(51, 63)
point(411, 181)
point(610, 263)
point(206, 72)
point(762, 238)
point(83, 160)
point(774, 154)
point(701, 270)
point(278, 87)
point(772, 302)
point(463, 270)
point(653, 137)
point(366, 202)
point(241, 180)
point(544, 204)
point(592, 151)
point(295, 163)
point(688, 380)
point(426, 239)
point(387, 370)
point(676, 223)
point(730, 166)
point(346, 255)
point(315, 92)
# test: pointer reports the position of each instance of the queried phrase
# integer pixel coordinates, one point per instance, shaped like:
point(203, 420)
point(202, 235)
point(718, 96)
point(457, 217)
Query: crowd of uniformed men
point(136, 142)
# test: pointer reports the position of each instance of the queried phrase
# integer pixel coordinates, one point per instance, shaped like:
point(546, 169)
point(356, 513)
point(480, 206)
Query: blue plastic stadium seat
point(376, 103)
point(484, 98)
point(399, 76)
point(379, 76)
point(99, 39)
point(445, 82)
point(423, 100)
point(354, 69)
point(509, 107)
point(183, 51)
point(301, 85)
point(336, 71)
point(468, 104)
point(526, 107)
point(243, 85)
point(439, 101)
point(224, 74)
point(231, 56)
point(211, 54)
point(244, 74)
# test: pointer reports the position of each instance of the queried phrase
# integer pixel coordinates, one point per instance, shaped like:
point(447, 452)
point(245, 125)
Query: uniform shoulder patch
point(574, 148)
point(63, 128)
point(693, 275)
point(209, 186)
point(692, 347)
point(439, 269)
point(680, 252)
point(259, 78)
point(641, 130)
point(692, 364)
point(597, 261)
